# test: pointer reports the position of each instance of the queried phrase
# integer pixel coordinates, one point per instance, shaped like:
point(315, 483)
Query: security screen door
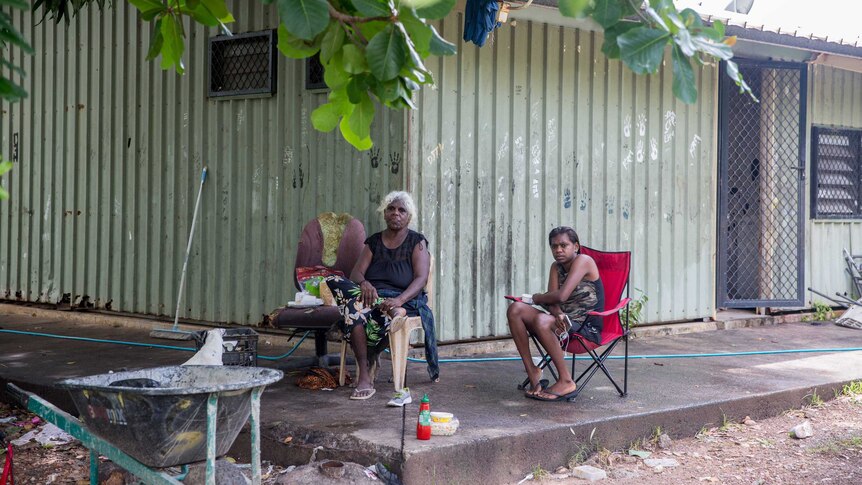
point(760, 191)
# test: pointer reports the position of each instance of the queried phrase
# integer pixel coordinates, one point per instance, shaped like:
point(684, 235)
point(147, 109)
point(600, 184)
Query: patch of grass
point(822, 312)
point(766, 443)
point(726, 423)
point(703, 433)
point(603, 456)
point(581, 454)
point(838, 446)
point(852, 389)
point(656, 434)
point(540, 473)
point(814, 400)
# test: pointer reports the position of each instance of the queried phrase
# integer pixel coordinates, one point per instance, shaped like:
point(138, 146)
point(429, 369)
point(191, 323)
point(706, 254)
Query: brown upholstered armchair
point(331, 240)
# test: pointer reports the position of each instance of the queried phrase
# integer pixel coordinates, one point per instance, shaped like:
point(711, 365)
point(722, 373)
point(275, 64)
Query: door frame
point(725, 85)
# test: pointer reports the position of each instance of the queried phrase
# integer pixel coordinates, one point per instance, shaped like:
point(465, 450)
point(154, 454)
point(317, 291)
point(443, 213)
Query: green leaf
point(19, 4)
point(339, 99)
point(386, 53)
point(353, 59)
point(388, 91)
point(193, 4)
point(11, 91)
point(5, 63)
point(362, 116)
point(373, 8)
point(573, 8)
point(325, 117)
point(351, 137)
point(683, 77)
point(642, 49)
point(691, 18)
point(417, 29)
point(712, 48)
point(357, 88)
point(294, 47)
point(606, 12)
point(733, 72)
point(332, 42)
point(683, 40)
point(610, 47)
point(370, 29)
point(145, 5)
point(718, 25)
point(440, 46)
point(8, 33)
point(173, 44)
point(304, 18)
point(5, 166)
point(333, 73)
point(432, 9)
point(156, 41)
point(219, 10)
point(149, 8)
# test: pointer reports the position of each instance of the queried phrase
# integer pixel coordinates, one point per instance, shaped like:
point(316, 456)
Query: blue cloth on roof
point(480, 18)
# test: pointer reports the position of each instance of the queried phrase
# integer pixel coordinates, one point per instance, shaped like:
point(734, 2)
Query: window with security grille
point(836, 167)
point(242, 64)
point(314, 73)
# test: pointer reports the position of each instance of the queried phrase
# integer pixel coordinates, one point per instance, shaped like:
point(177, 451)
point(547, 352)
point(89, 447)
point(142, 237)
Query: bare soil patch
point(743, 451)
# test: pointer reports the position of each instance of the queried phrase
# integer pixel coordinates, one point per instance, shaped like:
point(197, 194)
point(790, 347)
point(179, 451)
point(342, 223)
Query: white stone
point(660, 462)
point(802, 431)
point(589, 473)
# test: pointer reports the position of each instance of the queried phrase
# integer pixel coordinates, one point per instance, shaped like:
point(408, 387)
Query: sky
point(834, 18)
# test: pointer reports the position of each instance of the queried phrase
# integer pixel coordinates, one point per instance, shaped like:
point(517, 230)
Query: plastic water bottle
point(423, 426)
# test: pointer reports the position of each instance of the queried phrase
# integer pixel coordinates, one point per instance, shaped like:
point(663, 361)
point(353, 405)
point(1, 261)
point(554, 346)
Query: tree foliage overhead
point(375, 50)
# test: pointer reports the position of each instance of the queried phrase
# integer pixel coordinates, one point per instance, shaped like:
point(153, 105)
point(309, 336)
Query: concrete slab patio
point(502, 434)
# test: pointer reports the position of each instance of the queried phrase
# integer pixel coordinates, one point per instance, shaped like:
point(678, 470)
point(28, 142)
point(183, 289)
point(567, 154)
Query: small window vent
point(242, 64)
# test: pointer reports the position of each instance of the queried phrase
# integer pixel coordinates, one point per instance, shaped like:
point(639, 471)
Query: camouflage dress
point(586, 297)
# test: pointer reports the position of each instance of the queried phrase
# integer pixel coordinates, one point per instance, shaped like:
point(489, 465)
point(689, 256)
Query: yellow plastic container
point(441, 417)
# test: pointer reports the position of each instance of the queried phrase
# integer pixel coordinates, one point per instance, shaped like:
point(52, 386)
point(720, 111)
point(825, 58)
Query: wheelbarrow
point(161, 417)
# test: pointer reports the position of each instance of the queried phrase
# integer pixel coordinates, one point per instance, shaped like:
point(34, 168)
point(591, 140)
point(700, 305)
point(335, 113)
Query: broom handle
point(189, 249)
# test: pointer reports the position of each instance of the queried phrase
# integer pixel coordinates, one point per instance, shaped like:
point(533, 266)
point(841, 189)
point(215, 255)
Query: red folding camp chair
point(614, 270)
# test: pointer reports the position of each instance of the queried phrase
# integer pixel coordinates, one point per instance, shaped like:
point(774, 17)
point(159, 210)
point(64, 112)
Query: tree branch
point(637, 9)
point(352, 19)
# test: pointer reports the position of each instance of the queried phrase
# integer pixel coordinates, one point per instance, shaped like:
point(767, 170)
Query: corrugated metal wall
point(538, 129)
point(110, 150)
point(836, 100)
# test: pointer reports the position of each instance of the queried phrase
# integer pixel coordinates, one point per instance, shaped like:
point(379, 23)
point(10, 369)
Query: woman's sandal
point(362, 394)
point(543, 383)
point(557, 397)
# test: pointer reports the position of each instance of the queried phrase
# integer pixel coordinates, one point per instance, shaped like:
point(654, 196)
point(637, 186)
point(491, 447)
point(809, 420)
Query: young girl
point(574, 289)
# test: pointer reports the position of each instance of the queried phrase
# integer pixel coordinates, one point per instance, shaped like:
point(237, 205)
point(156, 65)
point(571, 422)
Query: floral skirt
point(348, 296)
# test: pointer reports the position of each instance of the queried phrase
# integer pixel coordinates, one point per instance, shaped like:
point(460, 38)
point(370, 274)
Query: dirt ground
point(743, 451)
point(735, 452)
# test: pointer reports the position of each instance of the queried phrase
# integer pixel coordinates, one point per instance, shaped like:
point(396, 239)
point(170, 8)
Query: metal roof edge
point(810, 44)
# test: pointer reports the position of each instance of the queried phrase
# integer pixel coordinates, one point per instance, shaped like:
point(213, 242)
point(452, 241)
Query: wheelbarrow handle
point(18, 395)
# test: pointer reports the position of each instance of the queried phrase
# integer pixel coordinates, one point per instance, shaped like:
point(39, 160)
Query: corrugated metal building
point(535, 130)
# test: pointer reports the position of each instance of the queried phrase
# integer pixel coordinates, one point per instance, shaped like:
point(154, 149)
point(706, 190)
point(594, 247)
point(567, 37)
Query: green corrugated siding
point(110, 152)
point(539, 129)
point(836, 100)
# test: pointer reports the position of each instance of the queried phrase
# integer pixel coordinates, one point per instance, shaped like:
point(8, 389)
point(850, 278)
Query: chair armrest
point(623, 303)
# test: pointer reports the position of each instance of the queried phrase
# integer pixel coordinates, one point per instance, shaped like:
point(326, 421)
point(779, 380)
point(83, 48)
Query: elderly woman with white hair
point(388, 281)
